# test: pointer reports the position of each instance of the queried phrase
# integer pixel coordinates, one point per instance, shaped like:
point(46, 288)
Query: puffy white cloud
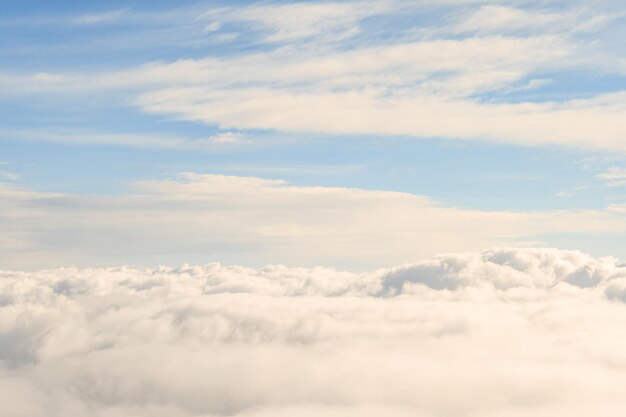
point(506, 332)
point(254, 221)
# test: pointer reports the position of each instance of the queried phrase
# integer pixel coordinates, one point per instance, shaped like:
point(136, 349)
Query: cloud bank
point(505, 332)
point(254, 221)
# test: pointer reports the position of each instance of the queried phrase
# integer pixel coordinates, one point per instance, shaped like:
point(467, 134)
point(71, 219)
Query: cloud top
point(505, 332)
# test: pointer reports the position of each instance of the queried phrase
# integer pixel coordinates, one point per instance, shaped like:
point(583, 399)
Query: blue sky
point(143, 126)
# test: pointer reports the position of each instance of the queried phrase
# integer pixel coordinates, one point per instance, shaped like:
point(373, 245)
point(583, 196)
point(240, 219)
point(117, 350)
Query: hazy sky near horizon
point(358, 134)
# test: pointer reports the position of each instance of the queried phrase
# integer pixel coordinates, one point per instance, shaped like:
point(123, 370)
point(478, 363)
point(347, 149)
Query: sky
point(312, 208)
point(349, 134)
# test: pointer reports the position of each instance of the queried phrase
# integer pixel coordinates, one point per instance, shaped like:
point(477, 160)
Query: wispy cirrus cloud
point(493, 18)
point(614, 177)
point(294, 22)
point(433, 86)
point(132, 140)
point(8, 175)
point(595, 123)
point(99, 18)
point(414, 68)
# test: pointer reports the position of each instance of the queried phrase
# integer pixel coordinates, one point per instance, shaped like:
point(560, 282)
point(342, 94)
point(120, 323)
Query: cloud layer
point(506, 332)
point(255, 221)
point(362, 67)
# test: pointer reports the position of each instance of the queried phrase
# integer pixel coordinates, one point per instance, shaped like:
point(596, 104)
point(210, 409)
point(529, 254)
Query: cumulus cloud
point(506, 332)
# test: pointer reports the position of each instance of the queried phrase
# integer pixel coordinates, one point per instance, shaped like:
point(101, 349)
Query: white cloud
point(441, 84)
point(455, 67)
point(99, 18)
point(8, 175)
point(136, 140)
point(290, 22)
point(88, 137)
point(507, 332)
point(614, 177)
point(613, 174)
point(419, 89)
point(255, 221)
point(503, 19)
point(213, 27)
point(225, 138)
point(591, 123)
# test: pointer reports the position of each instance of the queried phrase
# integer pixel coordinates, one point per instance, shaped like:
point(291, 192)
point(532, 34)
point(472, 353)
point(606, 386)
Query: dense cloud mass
point(506, 332)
